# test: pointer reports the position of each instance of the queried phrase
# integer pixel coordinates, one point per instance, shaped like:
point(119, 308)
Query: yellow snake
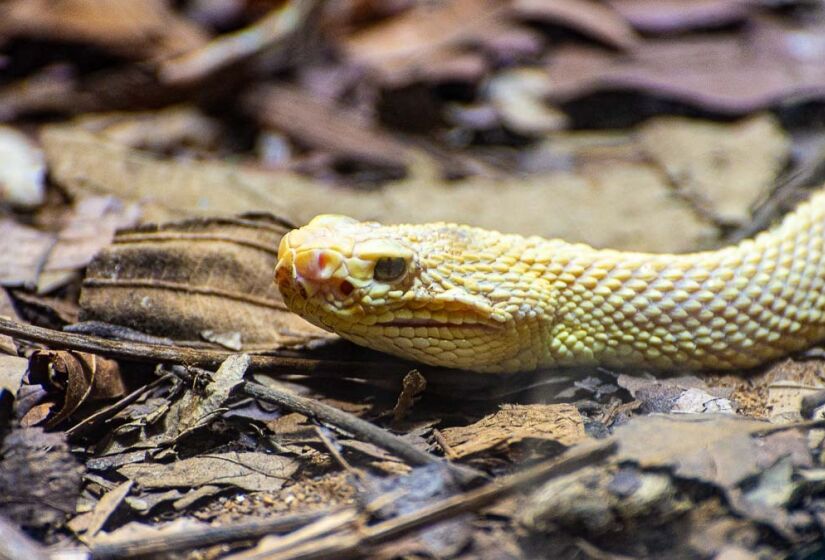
point(461, 297)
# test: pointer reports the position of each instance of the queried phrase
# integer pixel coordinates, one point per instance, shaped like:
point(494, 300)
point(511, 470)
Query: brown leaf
point(399, 49)
point(178, 280)
point(587, 17)
point(76, 377)
point(107, 505)
point(324, 125)
point(90, 227)
point(561, 423)
point(613, 202)
point(720, 72)
point(39, 478)
point(199, 408)
point(719, 169)
point(7, 345)
point(88, 164)
point(22, 170)
point(669, 16)
point(142, 29)
point(25, 252)
point(249, 471)
point(163, 130)
point(686, 394)
point(719, 449)
point(12, 372)
point(603, 501)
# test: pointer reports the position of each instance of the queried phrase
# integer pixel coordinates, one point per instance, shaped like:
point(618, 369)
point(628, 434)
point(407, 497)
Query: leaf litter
point(153, 156)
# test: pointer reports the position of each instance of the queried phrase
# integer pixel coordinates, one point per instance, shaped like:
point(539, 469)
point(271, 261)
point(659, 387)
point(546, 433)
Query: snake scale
point(462, 297)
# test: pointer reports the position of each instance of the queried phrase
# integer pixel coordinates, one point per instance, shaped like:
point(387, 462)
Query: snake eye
point(389, 269)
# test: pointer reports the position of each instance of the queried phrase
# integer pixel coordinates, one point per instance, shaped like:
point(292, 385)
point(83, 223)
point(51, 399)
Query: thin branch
point(351, 544)
point(440, 380)
point(354, 426)
point(188, 538)
point(154, 353)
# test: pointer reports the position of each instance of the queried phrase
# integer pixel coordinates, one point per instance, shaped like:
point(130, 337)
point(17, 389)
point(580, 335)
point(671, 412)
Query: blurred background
point(644, 124)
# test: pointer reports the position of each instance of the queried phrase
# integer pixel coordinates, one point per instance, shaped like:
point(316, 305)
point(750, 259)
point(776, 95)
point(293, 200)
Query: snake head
point(378, 286)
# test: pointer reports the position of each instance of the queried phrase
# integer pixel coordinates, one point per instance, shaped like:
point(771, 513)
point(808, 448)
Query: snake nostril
point(346, 288)
point(302, 291)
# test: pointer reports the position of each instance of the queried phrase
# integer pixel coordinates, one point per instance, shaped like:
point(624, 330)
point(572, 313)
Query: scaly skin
point(491, 302)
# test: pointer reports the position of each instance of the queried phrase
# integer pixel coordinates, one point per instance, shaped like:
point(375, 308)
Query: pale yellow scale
point(491, 302)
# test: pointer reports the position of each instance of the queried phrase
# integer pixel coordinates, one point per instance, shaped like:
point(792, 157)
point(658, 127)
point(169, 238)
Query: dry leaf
point(561, 423)
point(518, 97)
point(686, 394)
point(38, 468)
point(586, 16)
point(75, 377)
point(719, 449)
point(787, 383)
point(165, 130)
point(400, 48)
point(668, 16)
point(12, 370)
point(255, 472)
point(90, 227)
point(24, 253)
point(325, 126)
point(144, 29)
point(726, 168)
point(7, 345)
point(107, 505)
point(622, 204)
point(178, 280)
point(603, 501)
point(135, 531)
point(196, 409)
point(720, 72)
point(22, 170)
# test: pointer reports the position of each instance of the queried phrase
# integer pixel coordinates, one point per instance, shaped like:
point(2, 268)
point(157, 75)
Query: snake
point(462, 297)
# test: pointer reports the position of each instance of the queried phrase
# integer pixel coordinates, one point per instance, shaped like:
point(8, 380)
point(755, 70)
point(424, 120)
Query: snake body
point(462, 297)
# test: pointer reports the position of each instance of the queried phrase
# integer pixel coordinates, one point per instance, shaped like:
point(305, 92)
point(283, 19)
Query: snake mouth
point(432, 323)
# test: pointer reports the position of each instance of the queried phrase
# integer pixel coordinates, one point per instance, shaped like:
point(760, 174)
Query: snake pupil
point(389, 269)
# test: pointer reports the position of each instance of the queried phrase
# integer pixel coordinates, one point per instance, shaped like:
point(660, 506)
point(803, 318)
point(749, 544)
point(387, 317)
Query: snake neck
point(732, 308)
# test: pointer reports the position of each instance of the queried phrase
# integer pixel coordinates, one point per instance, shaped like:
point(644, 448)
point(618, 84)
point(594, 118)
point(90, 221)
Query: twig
point(348, 545)
point(336, 454)
point(448, 450)
point(354, 426)
point(153, 353)
point(188, 539)
point(331, 524)
point(348, 424)
point(236, 47)
point(441, 380)
point(108, 411)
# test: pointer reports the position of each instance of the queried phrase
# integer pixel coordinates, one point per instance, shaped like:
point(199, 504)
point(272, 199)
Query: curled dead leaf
point(74, 378)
